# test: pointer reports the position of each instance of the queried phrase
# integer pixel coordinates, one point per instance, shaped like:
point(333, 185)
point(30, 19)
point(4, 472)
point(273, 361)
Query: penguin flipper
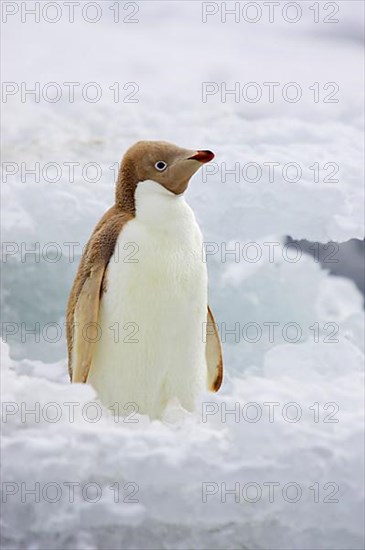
point(213, 354)
point(86, 316)
point(87, 290)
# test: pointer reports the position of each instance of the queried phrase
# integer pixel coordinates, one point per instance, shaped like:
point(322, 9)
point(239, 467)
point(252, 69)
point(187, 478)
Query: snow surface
point(169, 53)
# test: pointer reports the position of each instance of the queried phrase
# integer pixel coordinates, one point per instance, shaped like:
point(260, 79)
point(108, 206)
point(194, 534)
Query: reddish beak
point(203, 156)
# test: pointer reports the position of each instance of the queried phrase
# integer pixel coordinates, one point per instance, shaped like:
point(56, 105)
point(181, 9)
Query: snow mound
point(274, 461)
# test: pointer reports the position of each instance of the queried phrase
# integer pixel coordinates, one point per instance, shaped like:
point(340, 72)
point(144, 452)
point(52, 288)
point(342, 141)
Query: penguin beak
point(202, 156)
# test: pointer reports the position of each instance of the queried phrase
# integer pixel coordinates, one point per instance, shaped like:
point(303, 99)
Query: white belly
point(151, 348)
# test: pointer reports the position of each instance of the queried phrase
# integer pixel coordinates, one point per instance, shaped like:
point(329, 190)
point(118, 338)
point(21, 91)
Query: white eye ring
point(160, 165)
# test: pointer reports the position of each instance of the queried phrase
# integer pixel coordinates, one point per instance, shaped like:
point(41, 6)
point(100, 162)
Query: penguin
point(139, 327)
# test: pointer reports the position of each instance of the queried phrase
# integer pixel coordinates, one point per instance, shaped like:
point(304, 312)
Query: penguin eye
point(160, 165)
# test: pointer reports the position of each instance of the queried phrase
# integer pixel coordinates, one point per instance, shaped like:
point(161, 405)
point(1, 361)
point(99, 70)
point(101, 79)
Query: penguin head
point(167, 164)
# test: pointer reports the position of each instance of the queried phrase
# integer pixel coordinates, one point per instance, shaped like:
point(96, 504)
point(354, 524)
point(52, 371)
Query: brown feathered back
point(97, 254)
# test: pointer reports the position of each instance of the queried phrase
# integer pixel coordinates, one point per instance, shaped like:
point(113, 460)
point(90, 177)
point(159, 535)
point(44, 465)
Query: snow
point(313, 358)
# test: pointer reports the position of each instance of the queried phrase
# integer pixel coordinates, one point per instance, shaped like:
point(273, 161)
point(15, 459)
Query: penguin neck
point(155, 204)
point(125, 188)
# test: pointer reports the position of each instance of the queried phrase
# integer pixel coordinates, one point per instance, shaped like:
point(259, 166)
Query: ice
point(314, 372)
point(169, 461)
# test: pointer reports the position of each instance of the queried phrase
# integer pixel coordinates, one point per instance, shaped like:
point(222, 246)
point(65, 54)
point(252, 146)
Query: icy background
point(169, 53)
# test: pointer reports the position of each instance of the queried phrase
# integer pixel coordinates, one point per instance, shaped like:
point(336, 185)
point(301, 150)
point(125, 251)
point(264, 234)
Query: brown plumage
point(93, 264)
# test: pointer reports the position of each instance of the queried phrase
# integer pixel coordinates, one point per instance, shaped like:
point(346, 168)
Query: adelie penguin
point(154, 336)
